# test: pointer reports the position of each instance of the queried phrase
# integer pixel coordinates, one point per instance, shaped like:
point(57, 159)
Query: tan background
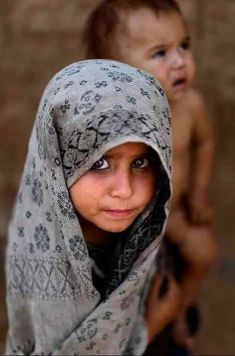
point(39, 37)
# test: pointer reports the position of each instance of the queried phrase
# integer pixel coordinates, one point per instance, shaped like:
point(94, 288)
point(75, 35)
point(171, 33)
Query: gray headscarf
point(54, 308)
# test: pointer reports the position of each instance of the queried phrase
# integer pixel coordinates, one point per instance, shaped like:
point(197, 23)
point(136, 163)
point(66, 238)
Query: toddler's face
point(116, 189)
point(159, 45)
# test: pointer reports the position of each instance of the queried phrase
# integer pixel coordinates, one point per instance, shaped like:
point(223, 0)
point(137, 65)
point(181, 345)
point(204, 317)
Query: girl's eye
point(101, 164)
point(159, 54)
point(186, 45)
point(141, 163)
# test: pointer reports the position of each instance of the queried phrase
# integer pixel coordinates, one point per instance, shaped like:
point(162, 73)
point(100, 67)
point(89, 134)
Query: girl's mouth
point(119, 213)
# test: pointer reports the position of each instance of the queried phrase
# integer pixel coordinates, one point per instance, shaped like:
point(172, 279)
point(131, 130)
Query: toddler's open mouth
point(180, 81)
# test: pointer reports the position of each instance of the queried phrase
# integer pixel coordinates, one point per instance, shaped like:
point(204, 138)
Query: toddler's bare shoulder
point(190, 110)
point(194, 99)
point(188, 107)
point(200, 117)
point(195, 102)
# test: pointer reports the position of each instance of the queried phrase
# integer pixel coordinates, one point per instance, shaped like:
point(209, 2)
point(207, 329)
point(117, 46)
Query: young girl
point(89, 216)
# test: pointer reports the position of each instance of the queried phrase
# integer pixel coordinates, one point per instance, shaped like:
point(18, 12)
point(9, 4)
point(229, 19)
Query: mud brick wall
point(38, 37)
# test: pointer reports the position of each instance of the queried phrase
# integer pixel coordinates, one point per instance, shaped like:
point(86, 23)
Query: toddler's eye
point(159, 54)
point(101, 164)
point(185, 45)
point(141, 163)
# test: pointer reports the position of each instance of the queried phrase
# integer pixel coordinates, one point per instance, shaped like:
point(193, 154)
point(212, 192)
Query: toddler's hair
point(104, 20)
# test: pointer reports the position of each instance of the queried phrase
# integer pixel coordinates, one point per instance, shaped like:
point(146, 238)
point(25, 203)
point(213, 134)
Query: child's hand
point(181, 335)
point(200, 208)
point(161, 308)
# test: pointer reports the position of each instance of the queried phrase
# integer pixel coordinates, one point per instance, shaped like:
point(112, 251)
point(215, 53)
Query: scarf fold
point(54, 308)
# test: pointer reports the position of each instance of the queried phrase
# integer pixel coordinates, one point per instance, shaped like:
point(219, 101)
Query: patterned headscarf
point(89, 107)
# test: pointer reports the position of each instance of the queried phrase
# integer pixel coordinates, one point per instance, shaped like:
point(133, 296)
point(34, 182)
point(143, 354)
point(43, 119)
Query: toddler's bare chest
point(182, 133)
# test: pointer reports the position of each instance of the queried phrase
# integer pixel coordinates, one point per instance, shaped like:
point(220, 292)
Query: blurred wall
point(39, 37)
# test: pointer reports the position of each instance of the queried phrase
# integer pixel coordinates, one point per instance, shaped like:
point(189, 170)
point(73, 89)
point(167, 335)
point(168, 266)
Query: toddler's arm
point(203, 150)
point(161, 309)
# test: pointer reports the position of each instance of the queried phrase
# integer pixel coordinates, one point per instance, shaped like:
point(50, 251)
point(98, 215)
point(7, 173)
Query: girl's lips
point(119, 212)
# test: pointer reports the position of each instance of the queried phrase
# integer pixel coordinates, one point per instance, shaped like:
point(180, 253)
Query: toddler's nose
point(177, 59)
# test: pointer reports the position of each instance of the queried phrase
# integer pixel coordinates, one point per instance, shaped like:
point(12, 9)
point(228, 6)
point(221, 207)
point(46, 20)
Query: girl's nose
point(177, 59)
point(122, 186)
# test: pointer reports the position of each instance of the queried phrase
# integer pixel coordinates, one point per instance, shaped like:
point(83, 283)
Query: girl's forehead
point(129, 148)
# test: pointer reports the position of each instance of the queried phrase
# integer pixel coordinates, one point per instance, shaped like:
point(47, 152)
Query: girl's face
point(118, 187)
point(161, 46)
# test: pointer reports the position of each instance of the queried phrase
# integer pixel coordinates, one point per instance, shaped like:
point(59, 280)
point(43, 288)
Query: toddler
point(152, 35)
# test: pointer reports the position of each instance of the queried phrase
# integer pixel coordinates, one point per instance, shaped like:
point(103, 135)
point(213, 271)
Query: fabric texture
point(54, 308)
